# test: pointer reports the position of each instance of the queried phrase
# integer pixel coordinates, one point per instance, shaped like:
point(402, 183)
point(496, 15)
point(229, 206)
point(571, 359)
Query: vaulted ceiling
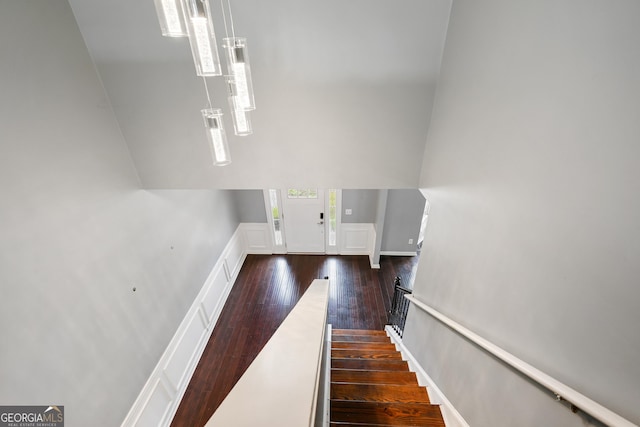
point(344, 91)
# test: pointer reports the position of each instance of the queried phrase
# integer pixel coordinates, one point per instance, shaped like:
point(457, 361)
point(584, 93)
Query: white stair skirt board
point(452, 417)
point(160, 397)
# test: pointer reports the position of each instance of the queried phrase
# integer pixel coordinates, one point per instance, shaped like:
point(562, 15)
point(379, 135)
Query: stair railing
point(399, 307)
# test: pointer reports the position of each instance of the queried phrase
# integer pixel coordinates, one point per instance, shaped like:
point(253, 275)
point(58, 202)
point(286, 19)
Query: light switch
point(348, 211)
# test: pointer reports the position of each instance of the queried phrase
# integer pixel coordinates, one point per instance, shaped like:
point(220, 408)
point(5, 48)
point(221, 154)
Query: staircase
point(372, 386)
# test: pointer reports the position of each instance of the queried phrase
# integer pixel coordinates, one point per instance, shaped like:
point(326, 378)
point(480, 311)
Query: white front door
point(304, 212)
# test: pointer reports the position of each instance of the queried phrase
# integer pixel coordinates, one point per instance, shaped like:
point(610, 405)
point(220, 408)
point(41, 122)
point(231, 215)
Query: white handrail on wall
point(280, 387)
point(564, 391)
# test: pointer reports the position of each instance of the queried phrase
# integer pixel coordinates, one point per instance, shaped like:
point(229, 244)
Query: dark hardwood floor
point(265, 291)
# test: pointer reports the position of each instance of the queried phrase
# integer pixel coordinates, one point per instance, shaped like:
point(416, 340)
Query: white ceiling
point(344, 91)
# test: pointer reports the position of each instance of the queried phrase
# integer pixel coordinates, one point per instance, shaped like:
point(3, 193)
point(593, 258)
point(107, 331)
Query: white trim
point(452, 418)
point(158, 400)
point(398, 253)
point(275, 249)
point(332, 250)
point(564, 391)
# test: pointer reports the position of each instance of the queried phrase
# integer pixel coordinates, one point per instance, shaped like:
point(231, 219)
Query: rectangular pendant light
point(171, 18)
point(202, 37)
point(241, 119)
point(216, 136)
point(238, 67)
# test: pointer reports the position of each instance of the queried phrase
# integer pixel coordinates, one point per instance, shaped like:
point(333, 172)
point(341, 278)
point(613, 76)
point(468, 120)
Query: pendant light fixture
point(240, 116)
point(202, 38)
point(171, 18)
point(216, 136)
point(192, 18)
point(238, 67)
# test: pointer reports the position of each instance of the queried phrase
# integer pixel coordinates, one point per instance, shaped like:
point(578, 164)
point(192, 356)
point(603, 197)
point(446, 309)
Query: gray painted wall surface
point(381, 212)
point(78, 234)
point(312, 99)
point(363, 204)
point(531, 169)
point(250, 205)
point(402, 221)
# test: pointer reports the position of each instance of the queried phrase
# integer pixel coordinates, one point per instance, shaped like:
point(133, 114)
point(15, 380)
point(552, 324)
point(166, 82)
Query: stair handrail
point(399, 307)
point(562, 391)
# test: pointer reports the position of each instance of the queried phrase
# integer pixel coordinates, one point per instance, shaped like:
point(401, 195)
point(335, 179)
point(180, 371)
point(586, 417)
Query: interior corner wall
point(405, 208)
point(78, 233)
point(531, 170)
point(250, 206)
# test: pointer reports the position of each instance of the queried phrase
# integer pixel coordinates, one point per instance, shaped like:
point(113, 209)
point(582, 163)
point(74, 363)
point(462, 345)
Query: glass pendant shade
point(238, 67)
point(171, 18)
point(217, 136)
point(241, 119)
point(202, 37)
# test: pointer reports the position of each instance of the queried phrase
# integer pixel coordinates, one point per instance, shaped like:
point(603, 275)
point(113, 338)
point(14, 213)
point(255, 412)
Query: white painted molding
point(356, 239)
point(158, 400)
point(452, 417)
point(399, 253)
point(567, 393)
point(257, 238)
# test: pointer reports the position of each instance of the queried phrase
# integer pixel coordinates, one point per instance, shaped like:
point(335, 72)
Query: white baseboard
point(452, 417)
point(158, 401)
point(399, 253)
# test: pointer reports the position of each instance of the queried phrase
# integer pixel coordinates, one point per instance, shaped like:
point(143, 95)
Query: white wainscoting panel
point(212, 300)
point(156, 407)
point(183, 353)
point(158, 400)
point(235, 256)
point(357, 239)
point(257, 237)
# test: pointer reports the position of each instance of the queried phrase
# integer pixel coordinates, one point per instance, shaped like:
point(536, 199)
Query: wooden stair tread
point(373, 377)
point(404, 414)
point(360, 338)
point(339, 424)
point(379, 393)
point(370, 364)
point(363, 345)
point(357, 332)
point(365, 354)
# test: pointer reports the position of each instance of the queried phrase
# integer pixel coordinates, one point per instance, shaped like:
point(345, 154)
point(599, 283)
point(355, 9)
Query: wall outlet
point(348, 211)
point(411, 241)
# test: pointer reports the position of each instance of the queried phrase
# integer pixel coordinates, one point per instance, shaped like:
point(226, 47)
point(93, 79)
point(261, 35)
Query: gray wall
point(78, 233)
point(250, 205)
point(363, 204)
point(402, 221)
point(531, 169)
